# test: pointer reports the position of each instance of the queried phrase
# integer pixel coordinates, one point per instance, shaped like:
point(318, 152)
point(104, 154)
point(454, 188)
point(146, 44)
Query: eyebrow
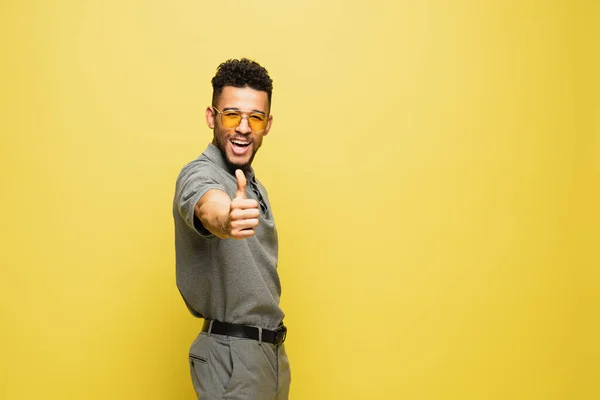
point(237, 109)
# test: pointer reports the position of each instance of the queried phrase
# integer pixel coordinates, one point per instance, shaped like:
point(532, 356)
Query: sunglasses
point(233, 118)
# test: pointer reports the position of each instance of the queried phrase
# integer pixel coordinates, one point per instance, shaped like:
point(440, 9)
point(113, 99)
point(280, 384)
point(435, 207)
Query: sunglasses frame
point(242, 117)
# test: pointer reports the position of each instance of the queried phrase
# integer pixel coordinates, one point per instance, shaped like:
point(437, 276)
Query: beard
point(222, 144)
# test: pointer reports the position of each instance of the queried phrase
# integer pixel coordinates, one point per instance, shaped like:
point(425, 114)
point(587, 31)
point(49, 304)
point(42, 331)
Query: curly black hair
point(241, 73)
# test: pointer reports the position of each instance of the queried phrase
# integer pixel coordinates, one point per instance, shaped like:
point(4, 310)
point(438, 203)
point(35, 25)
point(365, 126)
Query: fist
point(243, 212)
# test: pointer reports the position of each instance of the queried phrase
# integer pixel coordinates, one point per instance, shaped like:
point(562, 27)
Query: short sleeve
point(193, 183)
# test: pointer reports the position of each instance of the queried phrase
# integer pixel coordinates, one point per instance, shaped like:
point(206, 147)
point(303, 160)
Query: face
point(239, 144)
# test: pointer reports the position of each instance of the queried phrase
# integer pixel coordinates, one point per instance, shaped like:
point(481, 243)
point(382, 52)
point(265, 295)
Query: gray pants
point(225, 367)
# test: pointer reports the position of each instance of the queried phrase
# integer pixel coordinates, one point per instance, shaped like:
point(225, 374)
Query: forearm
point(213, 211)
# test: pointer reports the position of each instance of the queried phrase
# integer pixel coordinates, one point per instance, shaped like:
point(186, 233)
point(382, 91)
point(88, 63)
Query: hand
point(243, 212)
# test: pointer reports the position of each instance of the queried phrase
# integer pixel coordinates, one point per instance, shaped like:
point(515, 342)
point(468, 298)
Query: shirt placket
point(261, 202)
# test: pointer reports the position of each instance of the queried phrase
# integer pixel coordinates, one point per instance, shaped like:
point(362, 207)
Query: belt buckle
point(281, 332)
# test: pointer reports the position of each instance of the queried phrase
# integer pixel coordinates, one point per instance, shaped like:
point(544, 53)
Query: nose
point(244, 126)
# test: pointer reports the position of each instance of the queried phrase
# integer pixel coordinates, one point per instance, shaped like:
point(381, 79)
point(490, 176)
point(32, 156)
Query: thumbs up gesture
point(243, 212)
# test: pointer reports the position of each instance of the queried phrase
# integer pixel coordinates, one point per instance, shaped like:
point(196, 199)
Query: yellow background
point(433, 167)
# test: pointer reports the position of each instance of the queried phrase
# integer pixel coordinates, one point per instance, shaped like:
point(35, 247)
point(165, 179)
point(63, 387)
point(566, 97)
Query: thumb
point(241, 184)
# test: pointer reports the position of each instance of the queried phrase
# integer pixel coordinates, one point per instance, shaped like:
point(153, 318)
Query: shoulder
point(203, 174)
point(200, 166)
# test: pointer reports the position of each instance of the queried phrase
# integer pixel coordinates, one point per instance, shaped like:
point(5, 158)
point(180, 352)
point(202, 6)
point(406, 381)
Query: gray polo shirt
point(228, 280)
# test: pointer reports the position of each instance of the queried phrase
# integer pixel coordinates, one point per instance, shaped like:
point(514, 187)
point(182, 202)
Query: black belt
point(246, 332)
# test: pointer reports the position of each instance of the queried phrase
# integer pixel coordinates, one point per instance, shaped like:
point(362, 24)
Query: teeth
point(240, 143)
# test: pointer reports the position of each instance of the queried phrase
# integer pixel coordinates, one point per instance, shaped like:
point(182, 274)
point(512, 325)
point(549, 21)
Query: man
point(226, 247)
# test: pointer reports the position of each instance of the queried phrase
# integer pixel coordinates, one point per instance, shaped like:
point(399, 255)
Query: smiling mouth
point(239, 147)
point(240, 143)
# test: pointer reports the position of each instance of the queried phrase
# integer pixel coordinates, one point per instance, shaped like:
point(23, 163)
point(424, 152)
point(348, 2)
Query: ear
point(210, 117)
point(268, 128)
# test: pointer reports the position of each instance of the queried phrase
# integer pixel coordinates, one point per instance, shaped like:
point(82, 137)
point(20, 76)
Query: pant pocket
point(210, 367)
point(195, 359)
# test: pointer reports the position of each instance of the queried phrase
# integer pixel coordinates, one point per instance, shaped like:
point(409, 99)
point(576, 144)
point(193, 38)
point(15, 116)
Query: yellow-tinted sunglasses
point(233, 118)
